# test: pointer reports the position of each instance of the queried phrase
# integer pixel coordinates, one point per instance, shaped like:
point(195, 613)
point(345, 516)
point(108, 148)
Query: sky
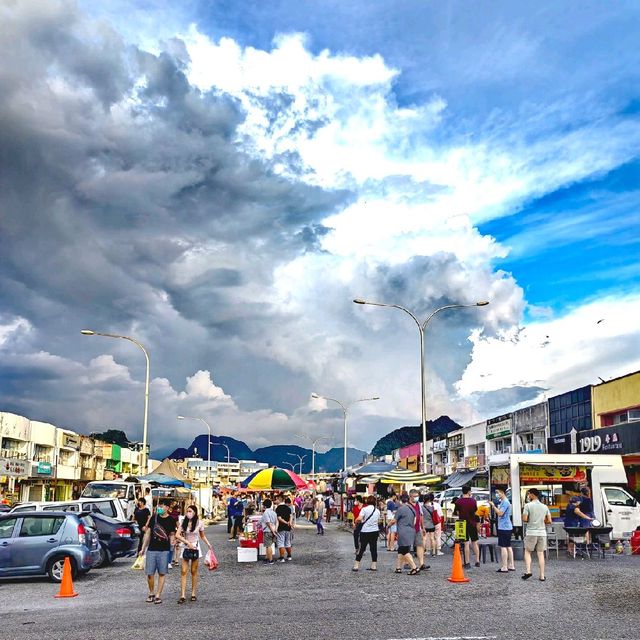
point(219, 181)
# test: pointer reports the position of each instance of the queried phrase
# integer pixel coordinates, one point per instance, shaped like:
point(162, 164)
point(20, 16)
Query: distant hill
point(405, 436)
point(275, 455)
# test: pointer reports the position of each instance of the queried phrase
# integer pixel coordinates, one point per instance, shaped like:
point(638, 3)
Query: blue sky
point(221, 179)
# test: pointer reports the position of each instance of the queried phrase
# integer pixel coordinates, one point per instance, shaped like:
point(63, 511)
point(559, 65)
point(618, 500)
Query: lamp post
point(206, 424)
point(290, 464)
point(222, 444)
point(300, 458)
point(88, 332)
point(313, 450)
point(421, 328)
point(344, 413)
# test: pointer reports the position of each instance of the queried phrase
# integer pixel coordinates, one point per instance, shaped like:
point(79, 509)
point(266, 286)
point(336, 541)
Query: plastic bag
point(210, 560)
point(139, 563)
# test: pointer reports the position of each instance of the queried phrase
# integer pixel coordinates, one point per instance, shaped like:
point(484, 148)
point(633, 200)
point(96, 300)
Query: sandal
point(414, 572)
point(370, 569)
point(526, 576)
point(157, 600)
point(182, 600)
point(398, 571)
point(193, 598)
point(150, 598)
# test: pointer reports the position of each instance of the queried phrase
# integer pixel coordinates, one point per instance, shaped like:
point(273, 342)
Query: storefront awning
point(460, 478)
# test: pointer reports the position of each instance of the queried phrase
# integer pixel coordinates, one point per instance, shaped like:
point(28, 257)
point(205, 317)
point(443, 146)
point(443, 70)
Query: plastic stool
point(493, 552)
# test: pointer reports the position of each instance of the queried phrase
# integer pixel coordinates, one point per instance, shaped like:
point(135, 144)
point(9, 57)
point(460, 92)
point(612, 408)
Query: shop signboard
point(499, 427)
point(439, 445)
point(13, 467)
point(471, 462)
point(622, 439)
point(500, 476)
point(552, 474)
point(44, 468)
point(71, 440)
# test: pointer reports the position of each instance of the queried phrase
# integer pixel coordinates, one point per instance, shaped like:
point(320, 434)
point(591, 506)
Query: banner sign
point(500, 476)
point(499, 427)
point(440, 445)
point(552, 474)
point(16, 468)
point(461, 530)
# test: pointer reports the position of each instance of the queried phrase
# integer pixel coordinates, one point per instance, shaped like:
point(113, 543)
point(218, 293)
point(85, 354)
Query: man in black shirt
point(141, 515)
point(284, 512)
point(158, 541)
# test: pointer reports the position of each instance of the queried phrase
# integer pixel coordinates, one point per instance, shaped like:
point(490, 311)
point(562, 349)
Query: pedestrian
point(465, 508)
point(237, 515)
point(141, 515)
point(148, 499)
point(369, 529)
point(505, 529)
point(231, 502)
point(189, 533)
point(405, 521)
point(319, 508)
point(297, 503)
point(174, 512)
point(536, 516)
point(329, 503)
point(392, 529)
point(414, 503)
point(430, 516)
point(355, 512)
point(156, 547)
point(284, 513)
point(269, 523)
point(439, 526)
point(307, 507)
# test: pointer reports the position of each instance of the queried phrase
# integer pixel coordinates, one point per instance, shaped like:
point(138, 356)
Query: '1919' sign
point(606, 443)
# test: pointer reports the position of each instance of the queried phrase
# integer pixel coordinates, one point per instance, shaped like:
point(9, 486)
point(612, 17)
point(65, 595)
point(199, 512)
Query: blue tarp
point(167, 481)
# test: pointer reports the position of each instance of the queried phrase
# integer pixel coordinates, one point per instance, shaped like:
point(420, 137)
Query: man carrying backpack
point(158, 542)
point(328, 506)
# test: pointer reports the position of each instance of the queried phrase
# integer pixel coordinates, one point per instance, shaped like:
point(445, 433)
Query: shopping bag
point(139, 563)
point(210, 560)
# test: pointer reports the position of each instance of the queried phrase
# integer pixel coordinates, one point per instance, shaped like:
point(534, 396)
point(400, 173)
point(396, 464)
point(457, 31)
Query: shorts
point(419, 541)
point(504, 538)
point(284, 539)
point(584, 524)
point(268, 538)
point(472, 532)
point(156, 561)
point(535, 543)
point(432, 530)
point(403, 551)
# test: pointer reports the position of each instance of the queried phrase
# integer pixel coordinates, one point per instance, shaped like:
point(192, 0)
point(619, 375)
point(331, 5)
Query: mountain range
point(284, 456)
point(274, 455)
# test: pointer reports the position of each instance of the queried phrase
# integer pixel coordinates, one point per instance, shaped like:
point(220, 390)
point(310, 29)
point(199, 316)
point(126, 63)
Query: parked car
point(111, 507)
point(449, 496)
point(4, 508)
point(34, 543)
point(123, 490)
point(118, 539)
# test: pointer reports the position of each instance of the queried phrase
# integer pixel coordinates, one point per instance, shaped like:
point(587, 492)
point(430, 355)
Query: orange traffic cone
point(66, 586)
point(457, 570)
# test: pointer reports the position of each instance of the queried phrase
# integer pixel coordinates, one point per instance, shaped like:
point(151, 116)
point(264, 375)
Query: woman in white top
point(368, 521)
point(189, 532)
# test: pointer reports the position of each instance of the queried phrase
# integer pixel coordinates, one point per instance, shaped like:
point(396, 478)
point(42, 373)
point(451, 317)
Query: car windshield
point(105, 491)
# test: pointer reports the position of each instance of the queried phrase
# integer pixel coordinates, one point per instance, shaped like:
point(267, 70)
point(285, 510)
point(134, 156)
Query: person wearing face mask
point(158, 540)
point(190, 531)
point(505, 529)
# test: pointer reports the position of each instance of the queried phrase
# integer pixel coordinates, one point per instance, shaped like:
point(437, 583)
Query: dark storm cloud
point(113, 169)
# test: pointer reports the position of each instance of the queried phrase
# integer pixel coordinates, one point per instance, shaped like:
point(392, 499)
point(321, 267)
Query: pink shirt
point(192, 536)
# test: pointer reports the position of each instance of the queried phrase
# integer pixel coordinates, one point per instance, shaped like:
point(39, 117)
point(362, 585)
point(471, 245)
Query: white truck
point(613, 505)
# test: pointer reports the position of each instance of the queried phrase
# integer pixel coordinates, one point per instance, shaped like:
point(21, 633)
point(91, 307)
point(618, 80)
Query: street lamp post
point(89, 332)
point(344, 413)
point(290, 464)
point(421, 328)
point(313, 450)
point(206, 424)
point(300, 458)
point(228, 452)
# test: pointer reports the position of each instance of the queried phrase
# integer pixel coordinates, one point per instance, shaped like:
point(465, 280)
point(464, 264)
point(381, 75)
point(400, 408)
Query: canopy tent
point(372, 468)
point(406, 476)
point(167, 473)
point(460, 478)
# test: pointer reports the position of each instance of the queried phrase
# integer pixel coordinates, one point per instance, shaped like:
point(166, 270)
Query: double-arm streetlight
point(421, 328)
point(206, 424)
point(300, 458)
point(344, 408)
point(290, 464)
point(313, 449)
point(88, 332)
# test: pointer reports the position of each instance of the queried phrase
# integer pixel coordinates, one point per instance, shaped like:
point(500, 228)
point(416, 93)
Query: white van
point(111, 507)
point(125, 492)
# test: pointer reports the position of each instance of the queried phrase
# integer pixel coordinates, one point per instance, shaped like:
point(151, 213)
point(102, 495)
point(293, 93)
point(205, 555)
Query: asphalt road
point(318, 596)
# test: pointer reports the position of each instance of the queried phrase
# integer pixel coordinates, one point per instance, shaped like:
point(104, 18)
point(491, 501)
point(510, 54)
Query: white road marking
point(450, 638)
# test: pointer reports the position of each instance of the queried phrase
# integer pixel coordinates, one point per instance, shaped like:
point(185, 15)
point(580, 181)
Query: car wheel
point(105, 558)
point(56, 566)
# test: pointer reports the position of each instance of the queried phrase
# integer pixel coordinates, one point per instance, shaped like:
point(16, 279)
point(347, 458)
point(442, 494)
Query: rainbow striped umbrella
point(273, 479)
